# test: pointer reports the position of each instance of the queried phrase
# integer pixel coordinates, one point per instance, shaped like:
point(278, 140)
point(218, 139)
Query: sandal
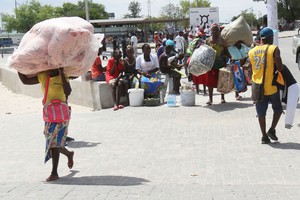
point(120, 106)
point(238, 98)
point(115, 108)
point(209, 103)
point(52, 178)
point(70, 160)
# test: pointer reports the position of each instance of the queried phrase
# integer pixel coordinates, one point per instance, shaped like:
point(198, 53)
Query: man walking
point(134, 42)
point(269, 53)
point(179, 41)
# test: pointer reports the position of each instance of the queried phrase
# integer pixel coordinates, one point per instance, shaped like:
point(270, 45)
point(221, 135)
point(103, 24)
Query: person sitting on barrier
point(147, 65)
point(168, 68)
point(98, 72)
point(115, 67)
point(161, 49)
point(130, 77)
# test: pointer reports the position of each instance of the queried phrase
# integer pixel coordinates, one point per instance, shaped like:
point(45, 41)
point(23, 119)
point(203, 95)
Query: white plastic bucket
point(188, 97)
point(136, 97)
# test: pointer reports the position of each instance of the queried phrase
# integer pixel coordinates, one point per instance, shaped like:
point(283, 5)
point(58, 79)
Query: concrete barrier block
point(10, 79)
point(96, 95)
point(105, 95)
point(81, 93)
point(106, 99)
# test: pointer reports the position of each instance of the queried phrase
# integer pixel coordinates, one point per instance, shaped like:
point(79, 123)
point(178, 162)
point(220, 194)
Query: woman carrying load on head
point(211, 77)
point(55, 133)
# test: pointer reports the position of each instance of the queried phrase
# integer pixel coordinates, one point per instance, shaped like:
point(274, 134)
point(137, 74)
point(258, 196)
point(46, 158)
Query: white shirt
point(179, 42)
point(144, 66)
point(207, 32)
point(134, 40)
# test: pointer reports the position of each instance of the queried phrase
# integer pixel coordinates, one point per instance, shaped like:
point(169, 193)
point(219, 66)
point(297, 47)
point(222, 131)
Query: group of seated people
point(140, 72)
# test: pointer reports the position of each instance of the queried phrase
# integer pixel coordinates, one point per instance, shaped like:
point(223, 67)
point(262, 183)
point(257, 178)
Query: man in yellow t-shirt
point(257, 57)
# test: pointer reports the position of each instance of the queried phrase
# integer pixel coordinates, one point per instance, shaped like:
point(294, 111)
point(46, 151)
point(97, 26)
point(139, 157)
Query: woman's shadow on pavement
point(82, 144)
point(221, 107)
point(99, 180)
point(286, 145)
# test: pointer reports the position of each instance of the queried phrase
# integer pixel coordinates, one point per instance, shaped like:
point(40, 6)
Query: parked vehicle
point(6, 42)
point(296, 48)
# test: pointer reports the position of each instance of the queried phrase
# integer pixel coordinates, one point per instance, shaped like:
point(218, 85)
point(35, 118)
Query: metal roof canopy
point(102, 22)
point(134, 21)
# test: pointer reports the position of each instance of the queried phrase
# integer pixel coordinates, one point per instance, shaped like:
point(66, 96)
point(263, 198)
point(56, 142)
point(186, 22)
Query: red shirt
point(95, 69)
point(109, 66)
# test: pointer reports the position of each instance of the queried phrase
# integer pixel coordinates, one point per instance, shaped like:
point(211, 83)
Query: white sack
point(59, 42)
point(202, 60)
point(291, 106)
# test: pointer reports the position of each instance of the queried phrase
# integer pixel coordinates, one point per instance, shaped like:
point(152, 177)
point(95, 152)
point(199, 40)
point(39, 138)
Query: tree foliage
point(135, 9)
point(249, 16)
point(289, 10)
point(26, 15)
point(171, 11)
point(96, 11)
point(158, 26)
point(186, 5)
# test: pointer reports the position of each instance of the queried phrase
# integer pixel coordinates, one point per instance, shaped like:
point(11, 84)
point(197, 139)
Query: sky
point(227, 8)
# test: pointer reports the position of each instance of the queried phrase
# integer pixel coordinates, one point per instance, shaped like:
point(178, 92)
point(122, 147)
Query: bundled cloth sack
point(238, 54)
point(59, 42)
point(225, 80)
point(238, 30)
point(202, 60)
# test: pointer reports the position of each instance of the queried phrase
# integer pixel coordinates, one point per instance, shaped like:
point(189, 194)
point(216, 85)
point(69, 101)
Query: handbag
point(258, 88)
point(56, 110)
point(257, 92)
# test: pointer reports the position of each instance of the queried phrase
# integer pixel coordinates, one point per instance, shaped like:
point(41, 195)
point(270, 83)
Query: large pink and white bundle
point(202, 60)
point(66, 42)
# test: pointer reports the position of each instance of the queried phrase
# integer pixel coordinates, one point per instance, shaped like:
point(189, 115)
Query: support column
point(272, 13)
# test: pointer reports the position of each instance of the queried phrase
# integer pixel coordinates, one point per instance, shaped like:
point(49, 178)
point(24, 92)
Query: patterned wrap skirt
point(152, 85)
point(55, 135)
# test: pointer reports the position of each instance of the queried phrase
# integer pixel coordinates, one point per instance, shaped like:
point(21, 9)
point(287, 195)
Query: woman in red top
point(98, 72)
point(114, 69)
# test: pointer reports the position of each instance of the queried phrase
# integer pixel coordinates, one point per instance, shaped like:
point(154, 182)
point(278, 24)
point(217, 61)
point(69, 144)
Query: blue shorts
point(101, 77)
point(262, 107)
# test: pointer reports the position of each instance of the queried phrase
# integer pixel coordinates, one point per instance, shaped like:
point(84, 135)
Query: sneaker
point(265, 140)
point(272, 134)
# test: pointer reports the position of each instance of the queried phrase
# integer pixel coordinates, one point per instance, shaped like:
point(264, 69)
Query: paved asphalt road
point(157, 153)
